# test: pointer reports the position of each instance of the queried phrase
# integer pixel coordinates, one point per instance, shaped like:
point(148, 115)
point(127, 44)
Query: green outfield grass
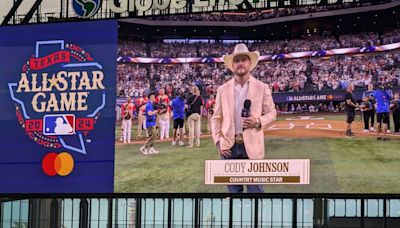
point(358, 165)
point(134, 128)
point(204, 124)
point(337, 116)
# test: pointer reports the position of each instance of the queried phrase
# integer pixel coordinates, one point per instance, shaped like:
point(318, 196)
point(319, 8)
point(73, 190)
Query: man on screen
point(238, 137)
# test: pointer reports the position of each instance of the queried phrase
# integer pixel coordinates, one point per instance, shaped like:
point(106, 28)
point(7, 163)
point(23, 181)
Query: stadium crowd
point(282, 75)
point(132, 48)
point(254, 15)
point(313, 107)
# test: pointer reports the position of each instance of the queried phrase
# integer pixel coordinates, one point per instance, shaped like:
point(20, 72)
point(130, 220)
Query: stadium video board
point(78, 118)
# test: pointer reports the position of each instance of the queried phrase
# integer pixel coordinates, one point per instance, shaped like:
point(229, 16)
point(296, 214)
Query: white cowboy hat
point(241, 49)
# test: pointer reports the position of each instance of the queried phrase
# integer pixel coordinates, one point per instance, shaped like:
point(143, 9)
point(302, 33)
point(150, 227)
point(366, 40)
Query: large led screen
point(86, 108)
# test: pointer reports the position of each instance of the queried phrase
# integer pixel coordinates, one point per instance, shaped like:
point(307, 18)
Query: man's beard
point(241, 72)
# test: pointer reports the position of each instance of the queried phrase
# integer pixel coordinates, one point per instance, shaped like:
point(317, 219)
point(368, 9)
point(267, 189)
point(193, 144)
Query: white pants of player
point(164, 129)
point(127, 125)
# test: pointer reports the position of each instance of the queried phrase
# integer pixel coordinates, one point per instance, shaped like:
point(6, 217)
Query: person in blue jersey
point(151, 115)
point(382, 97)
point(178, 115)
point(369, 114)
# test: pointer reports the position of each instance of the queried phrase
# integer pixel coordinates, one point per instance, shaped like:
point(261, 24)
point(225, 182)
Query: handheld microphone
point(246, 108)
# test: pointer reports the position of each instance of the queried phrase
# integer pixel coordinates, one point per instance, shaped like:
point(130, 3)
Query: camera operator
point(151, 115)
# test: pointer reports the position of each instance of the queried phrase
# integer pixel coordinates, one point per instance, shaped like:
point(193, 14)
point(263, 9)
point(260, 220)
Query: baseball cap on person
point(241, 49)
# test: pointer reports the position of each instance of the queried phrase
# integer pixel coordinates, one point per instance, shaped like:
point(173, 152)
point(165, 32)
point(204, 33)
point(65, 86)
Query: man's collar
point(247, 82)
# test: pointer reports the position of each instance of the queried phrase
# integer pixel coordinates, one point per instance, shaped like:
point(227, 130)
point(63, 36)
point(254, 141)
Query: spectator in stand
point(131, 48)
point(333, 73)
point(298, 109)
point(258, 14)
point(311, 108)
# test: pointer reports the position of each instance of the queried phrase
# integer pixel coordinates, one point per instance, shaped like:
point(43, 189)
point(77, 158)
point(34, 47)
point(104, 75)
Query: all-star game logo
point(58, 98)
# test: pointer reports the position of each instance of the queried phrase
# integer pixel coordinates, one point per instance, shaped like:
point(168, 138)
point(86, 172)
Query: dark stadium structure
point(198, 211)
point(360, 20)
point(333, 22)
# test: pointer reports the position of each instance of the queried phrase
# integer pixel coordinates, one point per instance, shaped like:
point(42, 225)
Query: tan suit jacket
point(223, 120)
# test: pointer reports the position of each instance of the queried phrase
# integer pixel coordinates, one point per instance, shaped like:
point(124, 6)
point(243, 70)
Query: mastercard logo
point(60, 164)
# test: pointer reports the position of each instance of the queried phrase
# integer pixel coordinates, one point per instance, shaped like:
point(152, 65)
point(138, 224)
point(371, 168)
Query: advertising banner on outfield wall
point(57, 97)
point(322, 96)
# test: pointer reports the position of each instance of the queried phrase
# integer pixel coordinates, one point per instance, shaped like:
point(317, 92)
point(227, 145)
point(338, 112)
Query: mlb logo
point(289, 98)
point(62, 124)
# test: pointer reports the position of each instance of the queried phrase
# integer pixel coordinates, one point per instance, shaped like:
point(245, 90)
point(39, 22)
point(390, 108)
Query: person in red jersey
point(127, 115)
point(141, 104)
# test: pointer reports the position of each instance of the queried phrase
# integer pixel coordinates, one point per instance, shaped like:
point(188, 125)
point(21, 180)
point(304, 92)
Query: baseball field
point(360, 164)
